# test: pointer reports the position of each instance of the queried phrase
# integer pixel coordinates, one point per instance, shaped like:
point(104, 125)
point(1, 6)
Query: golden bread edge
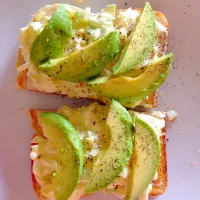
point(22, 76)
point(159, 186)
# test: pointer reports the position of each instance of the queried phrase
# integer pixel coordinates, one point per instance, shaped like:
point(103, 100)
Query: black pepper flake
point(197, 74)
point(116, 187)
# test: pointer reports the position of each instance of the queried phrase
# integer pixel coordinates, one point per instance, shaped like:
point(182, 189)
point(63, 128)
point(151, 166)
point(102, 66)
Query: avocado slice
point(70, 161)
point(135, 72)
point(108, 167)
point(51, 42)
point(129, 90)
point(145, 159)
point(86, 63)
point(140, 42)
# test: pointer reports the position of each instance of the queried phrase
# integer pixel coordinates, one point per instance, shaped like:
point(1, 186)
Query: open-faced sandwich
point(116, 57)
point(76, 152)
point(111, 54)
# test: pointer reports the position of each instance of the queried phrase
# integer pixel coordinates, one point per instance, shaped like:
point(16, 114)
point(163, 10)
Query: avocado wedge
point(70, 161)
point(140, 42)
point(135, 72)
point(108, 167)
point(86, 63)
point(127, 90)
point(51, 42)
point(145, 159)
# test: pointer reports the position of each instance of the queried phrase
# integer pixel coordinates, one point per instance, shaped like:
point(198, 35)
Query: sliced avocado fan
point(127, 90)
point(140, 42)
point(145, 159)
point(51, 42)
point(108, 167)
point(86, 63)
point(61, 132)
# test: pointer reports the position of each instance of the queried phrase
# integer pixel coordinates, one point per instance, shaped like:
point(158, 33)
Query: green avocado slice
point(145, 159)
point(70, 160)
point(140, 42)
point(51, 42)
point(127, 90)
point(86, 63)
point(108, 167)
point(135, 72)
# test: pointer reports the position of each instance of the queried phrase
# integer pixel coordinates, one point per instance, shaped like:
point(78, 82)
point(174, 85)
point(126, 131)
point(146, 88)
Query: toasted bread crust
point(36, 186)
point(22, 76)
point(159, 186)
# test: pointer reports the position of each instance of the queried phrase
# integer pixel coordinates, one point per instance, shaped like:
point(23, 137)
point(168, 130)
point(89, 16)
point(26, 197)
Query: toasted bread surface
point(22, 79)
point(159, 186)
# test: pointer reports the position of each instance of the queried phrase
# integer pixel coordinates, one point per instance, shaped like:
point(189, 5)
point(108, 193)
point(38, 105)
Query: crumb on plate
point(193, 163)
point(171, 115)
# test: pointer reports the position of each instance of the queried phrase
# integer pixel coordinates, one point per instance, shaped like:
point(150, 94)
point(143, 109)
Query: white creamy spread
point(157, 123)
point(125, 23)
point(44, 154)
point(160, 26)
point(97, 25)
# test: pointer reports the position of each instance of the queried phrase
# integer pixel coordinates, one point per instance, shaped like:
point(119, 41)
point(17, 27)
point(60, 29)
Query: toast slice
point(26, 74)
point(159, 186)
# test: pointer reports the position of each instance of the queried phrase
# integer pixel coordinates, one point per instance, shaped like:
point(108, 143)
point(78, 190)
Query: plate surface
point(181, 93)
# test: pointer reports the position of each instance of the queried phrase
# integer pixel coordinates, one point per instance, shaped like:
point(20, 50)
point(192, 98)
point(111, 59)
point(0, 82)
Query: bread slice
point(81, 90)
point(159, 186)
